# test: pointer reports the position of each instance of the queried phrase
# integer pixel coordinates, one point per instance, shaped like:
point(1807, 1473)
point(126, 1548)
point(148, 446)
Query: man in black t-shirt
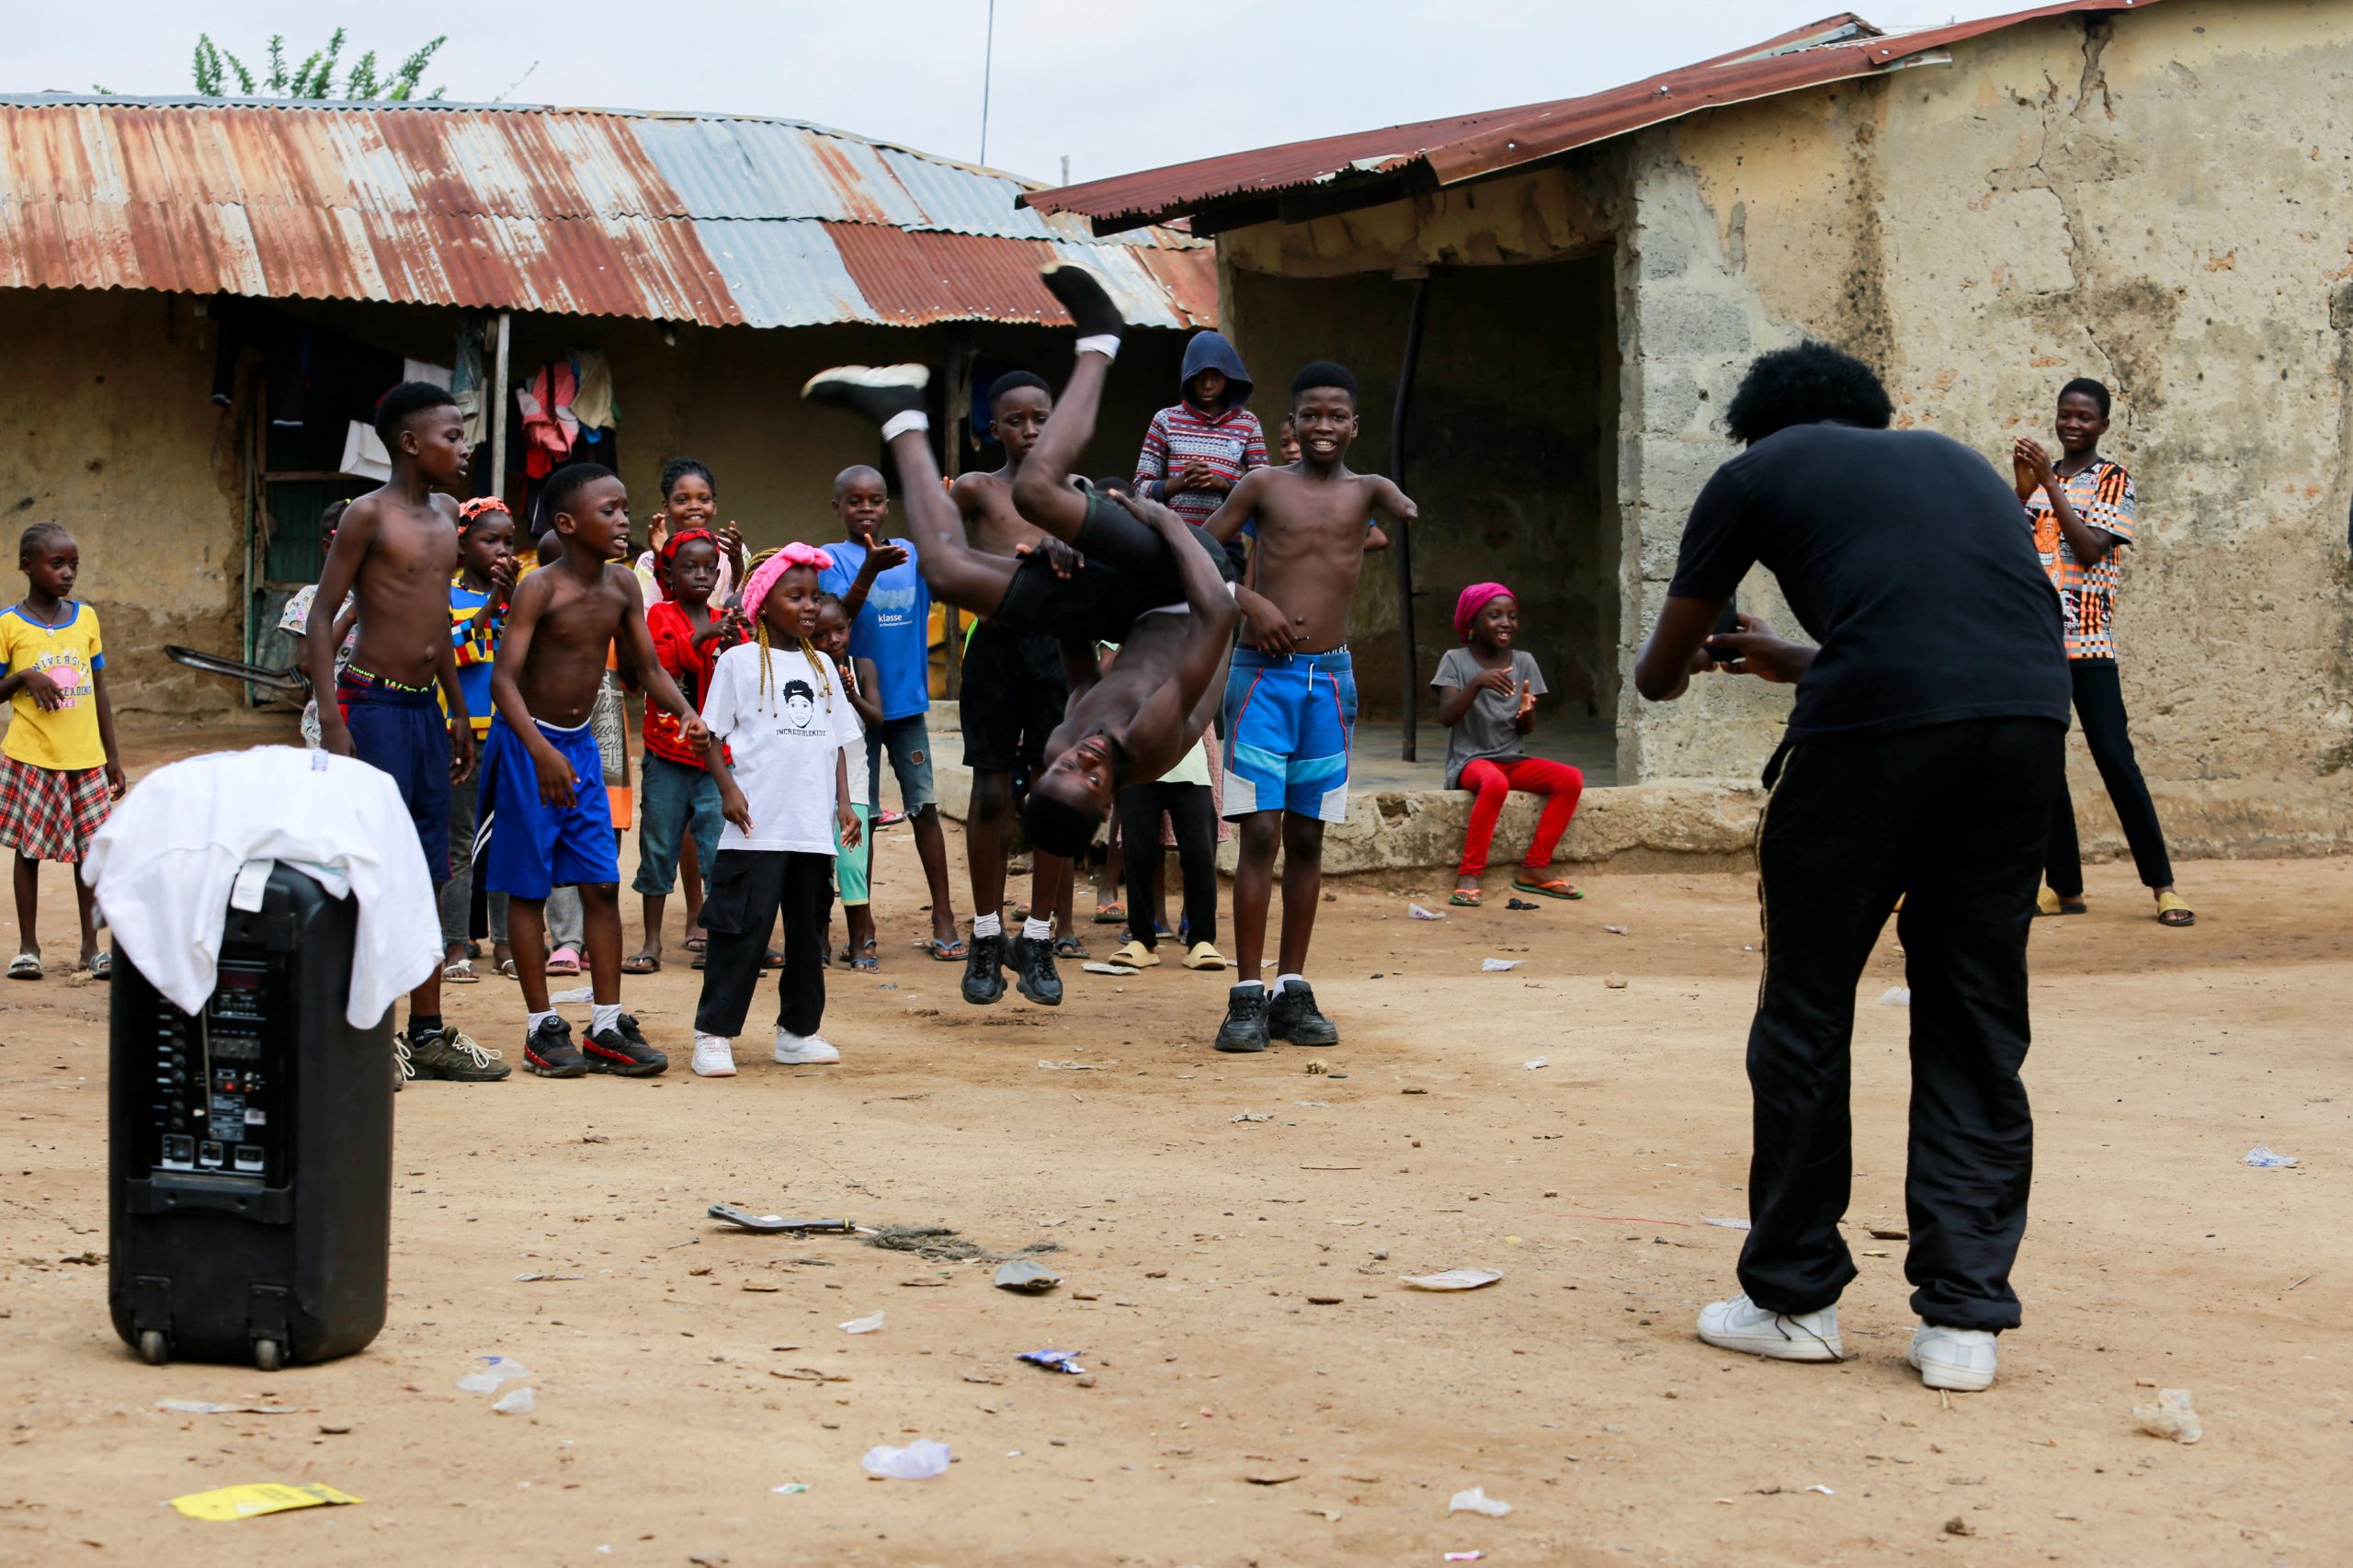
point(1922, 759)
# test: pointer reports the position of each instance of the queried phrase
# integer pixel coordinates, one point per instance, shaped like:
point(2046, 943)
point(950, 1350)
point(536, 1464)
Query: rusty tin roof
point(710, 219)
point(1446, 152)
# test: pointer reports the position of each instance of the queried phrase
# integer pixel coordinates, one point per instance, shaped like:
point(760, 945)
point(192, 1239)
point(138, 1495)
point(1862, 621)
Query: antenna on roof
point(988, 66)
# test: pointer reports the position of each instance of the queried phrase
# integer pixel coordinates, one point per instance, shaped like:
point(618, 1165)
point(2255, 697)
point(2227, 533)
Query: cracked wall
point(2157, 199)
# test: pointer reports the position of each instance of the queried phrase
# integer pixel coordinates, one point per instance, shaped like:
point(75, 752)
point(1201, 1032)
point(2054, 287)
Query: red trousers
point(1532, 775)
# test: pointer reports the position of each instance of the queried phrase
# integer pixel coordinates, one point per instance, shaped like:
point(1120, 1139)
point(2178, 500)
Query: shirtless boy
point(545, 809)
point(395, 548)
point(1014, 694)
point(1150, 582)
point(1291, 699)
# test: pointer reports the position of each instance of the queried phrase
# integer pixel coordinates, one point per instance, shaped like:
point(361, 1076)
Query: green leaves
point(313, 77)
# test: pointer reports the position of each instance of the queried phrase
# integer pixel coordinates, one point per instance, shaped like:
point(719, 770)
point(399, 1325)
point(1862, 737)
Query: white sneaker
point(803, 1050)
point(714, 1056)
point(1962, 1359)
point(1741, 1324)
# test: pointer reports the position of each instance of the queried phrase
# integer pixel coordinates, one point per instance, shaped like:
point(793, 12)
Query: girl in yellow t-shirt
point(59, 773)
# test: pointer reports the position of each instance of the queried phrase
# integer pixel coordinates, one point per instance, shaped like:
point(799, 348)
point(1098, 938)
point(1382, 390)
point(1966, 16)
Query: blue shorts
point(1287, 720)
point(535, 847)
point(398, 730)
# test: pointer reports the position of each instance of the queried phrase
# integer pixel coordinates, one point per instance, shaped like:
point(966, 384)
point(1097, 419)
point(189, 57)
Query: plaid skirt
point(50, 813)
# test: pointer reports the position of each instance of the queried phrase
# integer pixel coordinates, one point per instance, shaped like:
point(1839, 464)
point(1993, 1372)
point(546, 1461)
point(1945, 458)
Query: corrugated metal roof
point(1467, 146)
point(713, 219)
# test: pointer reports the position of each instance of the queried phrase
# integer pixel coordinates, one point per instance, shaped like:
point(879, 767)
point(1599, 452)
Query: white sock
point(1251, 985)
point(1106, 344)
point(913, 419)
point(603, 1016)
point(988, 926)
point(531, 1022)
point(1037, 930)
point(1285, 982)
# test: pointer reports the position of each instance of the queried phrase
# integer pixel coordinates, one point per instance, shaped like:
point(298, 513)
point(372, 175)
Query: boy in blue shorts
point(394, 550)
point(1290, 695)
point(545, 809)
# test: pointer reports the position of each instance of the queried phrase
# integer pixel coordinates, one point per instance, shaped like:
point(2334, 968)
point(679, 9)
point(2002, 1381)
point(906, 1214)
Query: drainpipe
point(495, 405)
point(1402, 546)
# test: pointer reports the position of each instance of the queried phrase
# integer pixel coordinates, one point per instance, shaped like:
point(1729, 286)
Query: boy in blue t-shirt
point(889, 606)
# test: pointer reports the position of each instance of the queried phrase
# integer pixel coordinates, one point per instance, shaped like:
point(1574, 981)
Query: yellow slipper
point(2172, 910)
point(1135, 955)
point(2049, 902)
point(1204, 956)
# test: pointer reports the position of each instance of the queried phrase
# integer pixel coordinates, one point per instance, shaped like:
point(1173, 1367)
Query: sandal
point(946, 952)
point(2173, 910)
point(1135, 955)
point(506, 969)
point(460, 972)
point(564, 961)
point(1069, 948)
point(640, 963)
point(697, 944)
point(25, 966)
point(863, 960)
point(1112, 914)
point(2049, 902)
point(1204, 956)
point(772, 959)
point(102, 965)
point(1551, 887)
point(1466, 898)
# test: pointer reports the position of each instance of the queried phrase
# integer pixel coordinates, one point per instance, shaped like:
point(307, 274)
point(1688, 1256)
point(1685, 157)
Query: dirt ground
point(1263, 1388)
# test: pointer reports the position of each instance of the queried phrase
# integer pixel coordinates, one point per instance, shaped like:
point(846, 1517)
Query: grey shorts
point(909, 739)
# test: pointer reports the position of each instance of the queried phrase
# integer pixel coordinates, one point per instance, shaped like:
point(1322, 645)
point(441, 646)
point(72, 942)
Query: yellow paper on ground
point(258, 1498)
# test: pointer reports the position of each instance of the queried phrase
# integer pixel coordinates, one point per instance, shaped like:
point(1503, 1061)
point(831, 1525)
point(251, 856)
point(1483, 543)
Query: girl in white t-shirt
point(778, 707)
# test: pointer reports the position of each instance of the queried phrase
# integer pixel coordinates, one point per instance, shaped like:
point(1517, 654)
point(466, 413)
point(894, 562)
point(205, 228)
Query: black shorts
point(1129, 572)
point(1013, 696)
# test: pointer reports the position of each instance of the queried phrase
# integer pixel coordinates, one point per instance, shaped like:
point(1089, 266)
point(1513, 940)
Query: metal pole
point(988, 68)
point(1402, 548)
point(495, 406)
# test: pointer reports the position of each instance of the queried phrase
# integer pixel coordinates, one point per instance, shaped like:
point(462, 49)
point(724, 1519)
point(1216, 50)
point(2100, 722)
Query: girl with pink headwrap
point(778, 720)
point(1487, 691)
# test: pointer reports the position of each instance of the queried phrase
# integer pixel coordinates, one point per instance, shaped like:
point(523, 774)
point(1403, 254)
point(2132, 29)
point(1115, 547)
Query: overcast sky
point(1117, 87)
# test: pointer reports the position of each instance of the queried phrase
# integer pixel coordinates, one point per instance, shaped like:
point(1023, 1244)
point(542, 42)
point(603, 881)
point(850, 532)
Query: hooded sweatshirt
point(1227, 436)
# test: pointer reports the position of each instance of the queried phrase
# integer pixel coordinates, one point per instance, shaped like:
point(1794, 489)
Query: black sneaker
point(1033, 971)
point(1245, 1019)
point(622, 1050)
point(1083, 295)
point(984, 970)
point(1291, 1016)
point(453, 1054)
point(548, 1052)
point(880, 392)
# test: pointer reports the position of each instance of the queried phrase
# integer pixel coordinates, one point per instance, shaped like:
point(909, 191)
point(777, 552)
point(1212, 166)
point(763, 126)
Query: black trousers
point(2099, 708)
point(1952, 818)
point(1192, 812)
point(748, 889)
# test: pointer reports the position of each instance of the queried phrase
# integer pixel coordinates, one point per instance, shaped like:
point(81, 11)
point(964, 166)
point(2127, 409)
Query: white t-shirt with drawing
point(784, 742)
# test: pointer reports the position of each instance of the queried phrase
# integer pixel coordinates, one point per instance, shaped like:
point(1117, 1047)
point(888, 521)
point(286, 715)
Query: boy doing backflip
point(1015, 693)
point(1150, 582)
point(395, 550)
point(547, 814)
point(1290, 697)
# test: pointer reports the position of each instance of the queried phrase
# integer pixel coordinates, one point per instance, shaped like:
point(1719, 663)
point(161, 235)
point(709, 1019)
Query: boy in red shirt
point(681, 797)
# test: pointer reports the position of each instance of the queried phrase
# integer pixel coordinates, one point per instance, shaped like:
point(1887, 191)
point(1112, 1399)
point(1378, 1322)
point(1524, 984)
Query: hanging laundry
point(364, 455)
point(550, 430)
point(593, 404)
point(466, 376)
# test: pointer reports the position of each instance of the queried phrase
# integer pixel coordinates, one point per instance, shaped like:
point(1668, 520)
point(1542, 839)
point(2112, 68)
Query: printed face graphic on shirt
point(799, 703)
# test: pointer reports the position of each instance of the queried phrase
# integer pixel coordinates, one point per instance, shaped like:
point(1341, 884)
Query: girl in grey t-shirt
point(1487, 701)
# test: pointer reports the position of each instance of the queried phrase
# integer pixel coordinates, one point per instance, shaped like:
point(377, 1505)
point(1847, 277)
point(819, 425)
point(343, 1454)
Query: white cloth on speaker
point(165, 862)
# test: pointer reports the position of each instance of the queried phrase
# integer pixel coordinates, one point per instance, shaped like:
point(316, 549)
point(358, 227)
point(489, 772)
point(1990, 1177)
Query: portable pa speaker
point(250, 1167)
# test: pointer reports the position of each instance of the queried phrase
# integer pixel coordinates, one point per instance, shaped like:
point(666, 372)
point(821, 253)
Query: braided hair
point(817, 662)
